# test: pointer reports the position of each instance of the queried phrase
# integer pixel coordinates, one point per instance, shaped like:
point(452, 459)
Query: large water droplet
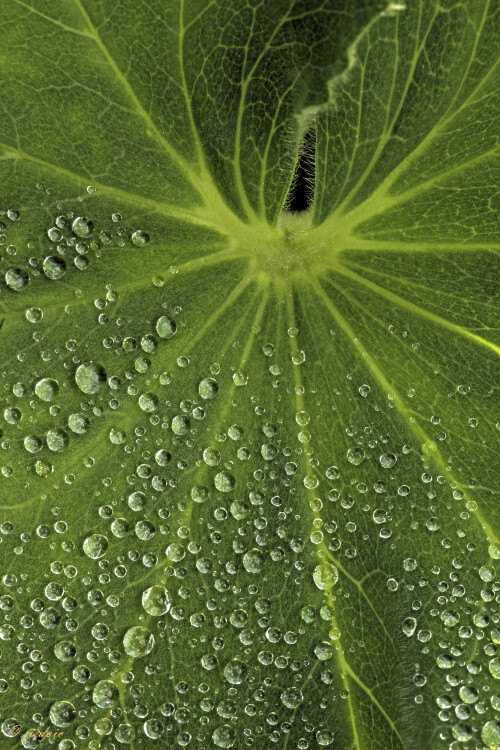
point(62, 713)
point(138, 642)
point(165, 327)
point(82, 226)
point(16, 279)
point(325, 576)
point(47, 389)
point(156, 601)
point(54, 267)
point(140, 238)
point(90, 377)
point(105, 694)
point(95, 546)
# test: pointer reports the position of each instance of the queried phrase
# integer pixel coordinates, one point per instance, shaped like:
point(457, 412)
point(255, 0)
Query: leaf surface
point(249, 458)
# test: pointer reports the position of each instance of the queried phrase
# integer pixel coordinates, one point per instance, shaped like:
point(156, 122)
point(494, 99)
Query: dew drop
point(140, 238)
point(208, 388)
point(16, 279)
point(138, 642)
point(355, 456)
point(224, 481)
point(82, 227)
point(105, 694)
point(325, 576)
point(90, 377)
point(291, 697)
point(54, 267)
point(62, 713)
point(47, 389)
point(156, 601)
point(253, 561)
point(95, 546)
point(165, 327)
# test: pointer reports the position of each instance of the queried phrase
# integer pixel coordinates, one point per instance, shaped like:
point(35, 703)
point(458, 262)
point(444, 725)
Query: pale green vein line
point(203, 261)
point(388, 200)
point(164, 208)
point(372, 697)
point(181, 162)
point(228, 400)
point(421, 311)
point(361, 590)
point(189, 106)
point(53, 20)
point(429, 446)
point(388, 127)
point(247, 79)
point(321, 549)
point(387, 184)
point(413, 246)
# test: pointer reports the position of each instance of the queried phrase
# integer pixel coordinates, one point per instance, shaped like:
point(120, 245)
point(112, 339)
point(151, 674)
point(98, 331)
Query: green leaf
point(249, 457)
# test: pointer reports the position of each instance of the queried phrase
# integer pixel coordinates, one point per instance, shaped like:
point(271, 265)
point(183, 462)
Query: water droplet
point(138, 642)
point(148, 401)
point(32, 443)
point(62, 713)
point(291, 697)
point(409, 626)
point(78, 423)
point(355, 456)
point(165, 327)
point(47, 389)
point(82, 227)
point(208, 388)
point(34, 314)
point(253, 561)
point(140, 238)
point(90, 377)
point(16, 279)
point(387, 460)
point(224, 481)
point(325, 576)
point(180, 425)
point(224, 736)
point(235, 672)
point(56, 440)
point(105, 694)
point(494, 667)
point(95, 546)
point(240, 378)
point(54, 267)
point(490, 735)
point(156, 601)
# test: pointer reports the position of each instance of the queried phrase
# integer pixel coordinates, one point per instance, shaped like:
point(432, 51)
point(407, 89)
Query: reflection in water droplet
point(62, 713)
point(105, 694)
point(355, 456)
point(78, 423)
point(224, 481)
